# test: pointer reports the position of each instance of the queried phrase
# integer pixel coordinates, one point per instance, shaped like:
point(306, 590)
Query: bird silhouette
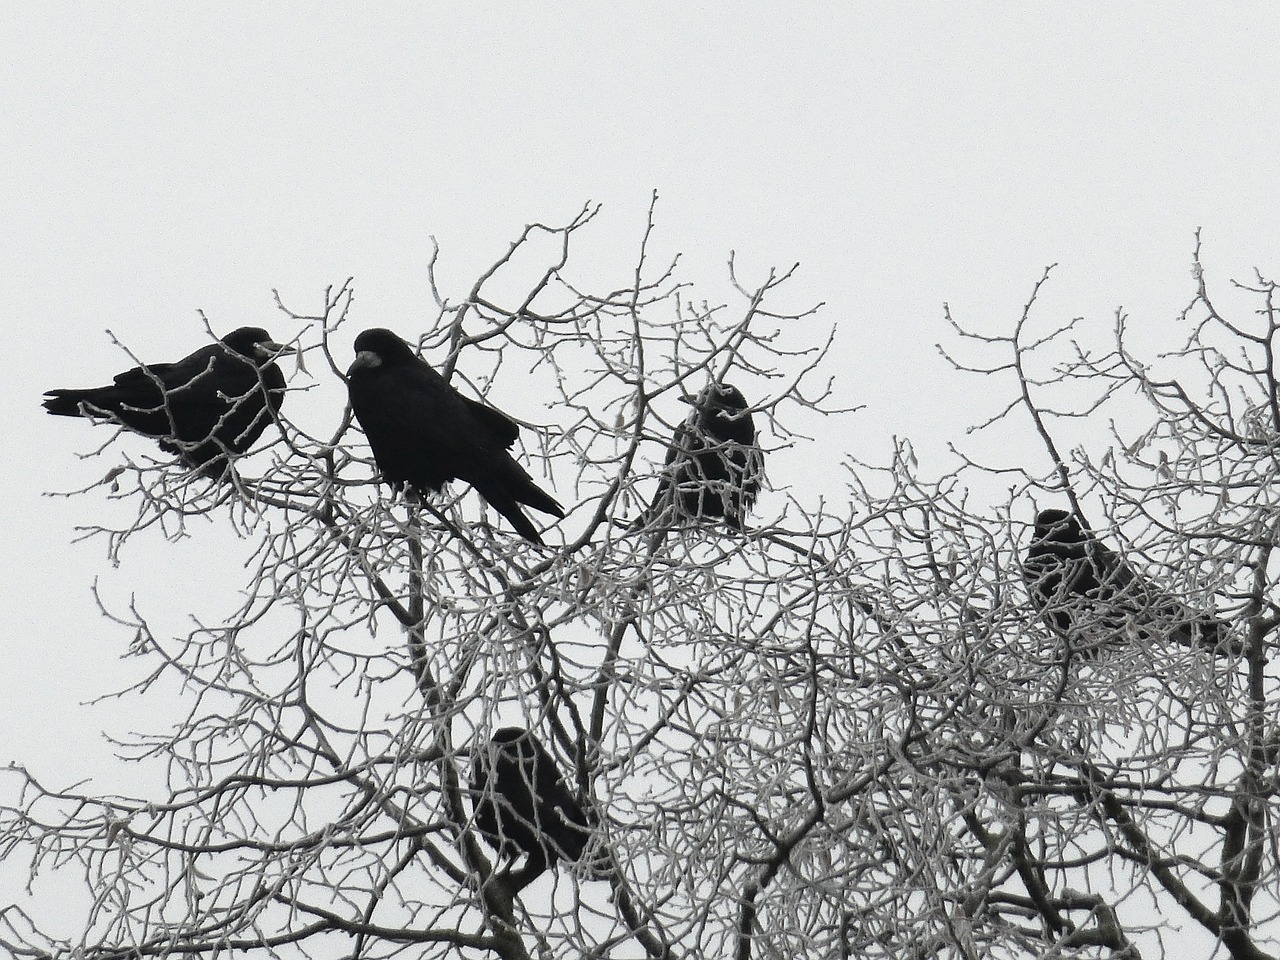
point(714, 464)
point(209, 406)
point(522, 805)
point(1092, 597)
point(424, 433)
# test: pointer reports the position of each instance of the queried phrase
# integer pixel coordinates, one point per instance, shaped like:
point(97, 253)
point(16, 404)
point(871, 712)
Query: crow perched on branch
point(1090, 596)
point(714, 464)
point(522, 804)
point(424, 433)
point(211, 404)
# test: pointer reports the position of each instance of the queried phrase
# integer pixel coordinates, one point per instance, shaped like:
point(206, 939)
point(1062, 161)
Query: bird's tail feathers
point(531, 495)
point(1209, 634)
point(520, 520)
point(506, 489)
point(502, 501)
point(66, 403)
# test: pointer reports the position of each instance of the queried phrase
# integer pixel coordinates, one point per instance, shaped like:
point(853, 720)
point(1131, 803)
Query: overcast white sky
point(156, 161)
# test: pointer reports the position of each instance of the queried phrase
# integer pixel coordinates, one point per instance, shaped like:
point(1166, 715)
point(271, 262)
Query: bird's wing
point(685, 442)
point(1151, 606)
point(418, 426)
point(560, 814)
point(1079, 570)
point(752, 474)
point(450, 421)
point(570, 810)
point(1063, 581)
point(207, 364)
point(1112, 569)
point(144, 378)
point(1124, 588)
point(498, 425)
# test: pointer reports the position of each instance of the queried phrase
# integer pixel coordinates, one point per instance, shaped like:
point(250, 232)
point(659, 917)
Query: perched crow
point(1089, 595)
point(522, 804)
point(714, 464)
point(210, 404)
point(424, 433)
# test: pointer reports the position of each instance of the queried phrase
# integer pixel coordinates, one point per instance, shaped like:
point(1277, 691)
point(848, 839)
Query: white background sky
point(156, 161)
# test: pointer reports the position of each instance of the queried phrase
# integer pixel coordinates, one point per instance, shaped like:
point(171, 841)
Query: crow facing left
point(522, 804)
point(211, 404)
point(714, 464)
point(1091, 597)
point(424, 433)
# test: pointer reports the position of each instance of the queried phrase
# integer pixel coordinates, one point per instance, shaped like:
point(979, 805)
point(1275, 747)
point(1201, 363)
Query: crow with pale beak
point(714, 464)
point(206, 408)
point(424, 433)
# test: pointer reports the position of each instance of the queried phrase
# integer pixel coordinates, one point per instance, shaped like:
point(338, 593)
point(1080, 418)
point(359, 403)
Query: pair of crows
point(1079, 586)
point(216, 402)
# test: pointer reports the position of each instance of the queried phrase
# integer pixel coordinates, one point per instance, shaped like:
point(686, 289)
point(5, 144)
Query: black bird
point(522, 804)
point(208, 406)
point(714, 464)
point(1090, 596)
point(424, 433)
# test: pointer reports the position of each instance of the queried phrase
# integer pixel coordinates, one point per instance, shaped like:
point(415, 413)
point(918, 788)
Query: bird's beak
point(688, 398)
point(365, 360)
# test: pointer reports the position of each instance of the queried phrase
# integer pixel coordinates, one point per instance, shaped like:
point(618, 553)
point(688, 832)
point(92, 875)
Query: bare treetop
point(879, 723)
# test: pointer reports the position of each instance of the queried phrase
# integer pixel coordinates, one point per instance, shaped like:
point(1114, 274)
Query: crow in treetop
point(209, 405)
point(522, 804)
point(1091, 596)
point(424, 433)
point(714, 464)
